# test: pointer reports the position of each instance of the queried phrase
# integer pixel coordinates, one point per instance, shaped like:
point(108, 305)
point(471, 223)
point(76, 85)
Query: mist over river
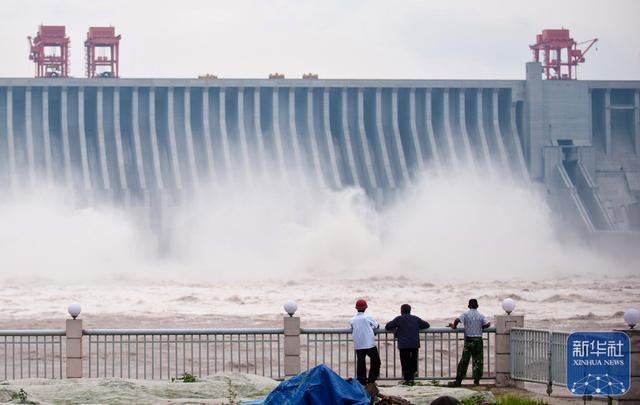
point(234, 254)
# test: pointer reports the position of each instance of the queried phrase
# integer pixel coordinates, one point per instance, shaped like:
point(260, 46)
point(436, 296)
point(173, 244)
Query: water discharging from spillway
point(464, 225)
point(214, 182)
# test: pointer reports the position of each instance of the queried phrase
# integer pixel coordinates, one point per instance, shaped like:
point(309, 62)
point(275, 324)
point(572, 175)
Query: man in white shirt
point(363, 328)
point(474, 325)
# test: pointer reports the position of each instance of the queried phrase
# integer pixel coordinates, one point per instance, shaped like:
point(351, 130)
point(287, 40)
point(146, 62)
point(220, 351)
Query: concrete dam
point(155, 142)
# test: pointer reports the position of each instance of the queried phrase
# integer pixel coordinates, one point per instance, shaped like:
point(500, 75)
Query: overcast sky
point(336, 39)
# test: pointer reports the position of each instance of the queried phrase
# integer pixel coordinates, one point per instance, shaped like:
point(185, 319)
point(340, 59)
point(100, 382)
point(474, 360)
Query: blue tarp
point(319, 385)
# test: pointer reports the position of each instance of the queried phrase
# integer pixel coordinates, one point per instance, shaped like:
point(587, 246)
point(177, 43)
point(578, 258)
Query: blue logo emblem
point(598, 363)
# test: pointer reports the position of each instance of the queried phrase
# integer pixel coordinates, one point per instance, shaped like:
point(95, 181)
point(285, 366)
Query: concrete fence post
point(504, 323)
point(74, 348)
point(291, 346)
point(633, 395)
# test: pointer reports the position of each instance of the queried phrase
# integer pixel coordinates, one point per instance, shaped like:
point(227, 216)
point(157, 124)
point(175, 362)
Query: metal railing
point(440, 350)
point(170, 353)
point(559, 357)
point(31, 353)
point(539, 356)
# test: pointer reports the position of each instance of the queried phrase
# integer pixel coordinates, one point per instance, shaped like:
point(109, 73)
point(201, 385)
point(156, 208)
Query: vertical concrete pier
point(414, 130)
point(504, 323)
point(395, 128)
point(74, 348)
point(82, 137)
point(242, 134)
point(331, 147)
point(46, 136)
point(482, 133)
point(277, 132)
point(446, 108)
point(206, 125)
point(291, 346)
point(102, 148)
point(464, 132)
point(142, 179)
point(122, 175)
point(224, 135)
point(155, 149)
point(66, 146)
point(294, 137)
point(437, 157)
point(173, 147)
point(313, 138)
point(348, 140)
point(366, 150)
point(191, 156)
point(257, 127)
point(29, 119)
point(497, 132)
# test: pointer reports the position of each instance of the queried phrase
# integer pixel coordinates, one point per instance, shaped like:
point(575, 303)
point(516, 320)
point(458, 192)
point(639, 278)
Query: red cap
point(361, 305)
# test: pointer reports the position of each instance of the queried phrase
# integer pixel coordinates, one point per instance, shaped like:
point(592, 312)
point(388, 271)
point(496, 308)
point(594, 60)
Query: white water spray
point(462, 226)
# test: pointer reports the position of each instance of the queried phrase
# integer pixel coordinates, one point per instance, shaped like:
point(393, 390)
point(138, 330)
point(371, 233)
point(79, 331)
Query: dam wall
point(145, 142)
point(124, 139)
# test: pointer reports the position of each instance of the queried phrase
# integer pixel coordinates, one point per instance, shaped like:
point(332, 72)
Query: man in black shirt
point(407, 329)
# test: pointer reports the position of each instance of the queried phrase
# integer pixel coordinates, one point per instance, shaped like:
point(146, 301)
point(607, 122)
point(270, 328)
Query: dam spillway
point(141, 142)
point(131, 138)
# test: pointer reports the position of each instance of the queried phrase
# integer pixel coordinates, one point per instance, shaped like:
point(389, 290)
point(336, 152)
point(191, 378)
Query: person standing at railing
point(363, 328)
point(407, 328)
point(474, 322)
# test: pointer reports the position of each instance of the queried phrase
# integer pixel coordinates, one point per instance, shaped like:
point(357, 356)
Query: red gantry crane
point(102, 52)
point(552, 43)
point(49, 50)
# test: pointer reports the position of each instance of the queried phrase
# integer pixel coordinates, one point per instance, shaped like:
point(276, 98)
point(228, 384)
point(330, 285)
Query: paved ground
point(423, 394)
point(230, 388)
point(559, 396)
point(222, 388)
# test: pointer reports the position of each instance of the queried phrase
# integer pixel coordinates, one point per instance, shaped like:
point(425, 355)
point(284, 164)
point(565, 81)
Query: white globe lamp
point(290, 307)
point(74, 310)
point(508, 305)
point(632, 317)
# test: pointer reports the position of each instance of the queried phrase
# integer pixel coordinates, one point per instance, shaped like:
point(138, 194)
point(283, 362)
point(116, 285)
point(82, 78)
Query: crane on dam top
point(556, 63)
point(102, 52)
point(49, 50)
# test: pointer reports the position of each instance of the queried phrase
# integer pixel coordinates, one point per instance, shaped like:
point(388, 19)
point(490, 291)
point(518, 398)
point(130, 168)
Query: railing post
point(550, 361)
point(291, 346)
point(633, 395)
point(74, 348)
point(502, 348)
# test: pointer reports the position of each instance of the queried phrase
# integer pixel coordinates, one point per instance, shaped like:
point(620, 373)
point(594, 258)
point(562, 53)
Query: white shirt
point(473, 321)
point(362, 326)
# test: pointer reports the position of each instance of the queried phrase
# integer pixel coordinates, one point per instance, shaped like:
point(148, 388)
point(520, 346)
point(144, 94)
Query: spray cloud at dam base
point(462, 226)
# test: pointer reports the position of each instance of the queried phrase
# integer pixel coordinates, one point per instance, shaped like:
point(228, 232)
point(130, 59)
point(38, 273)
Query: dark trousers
point(374, 369)
point(409, 363)
point(472, 349)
